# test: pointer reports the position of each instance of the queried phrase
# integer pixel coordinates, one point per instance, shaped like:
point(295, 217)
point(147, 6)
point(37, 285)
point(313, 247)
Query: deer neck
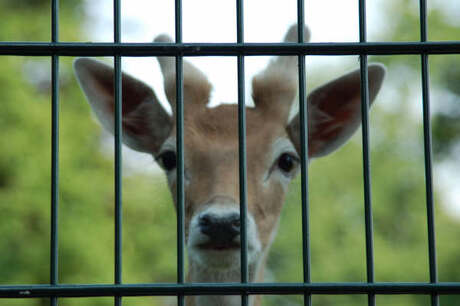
point(201, 274)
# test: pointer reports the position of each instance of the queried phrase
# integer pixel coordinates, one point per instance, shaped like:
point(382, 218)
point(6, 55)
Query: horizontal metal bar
point(40, 291)
point(226, 49)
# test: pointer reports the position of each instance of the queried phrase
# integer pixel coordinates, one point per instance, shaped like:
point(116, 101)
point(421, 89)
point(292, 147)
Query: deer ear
point(145, 123)
point(334, 111)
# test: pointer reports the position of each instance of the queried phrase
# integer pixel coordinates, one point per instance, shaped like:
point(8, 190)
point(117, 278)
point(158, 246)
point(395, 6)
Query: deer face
point(212, 187)
point(211, 145)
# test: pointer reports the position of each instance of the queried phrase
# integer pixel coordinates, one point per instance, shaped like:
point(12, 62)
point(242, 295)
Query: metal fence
point(424, 48)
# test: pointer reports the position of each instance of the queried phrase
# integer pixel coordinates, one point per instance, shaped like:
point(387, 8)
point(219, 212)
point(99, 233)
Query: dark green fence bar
point(242, 151)
point(367, 176)
point(40, 291)
point(303, 111)
point(118, 150)
point(366, 154)
point(226, 49)
point(54, 252)
point(180, 153)
point(428, 154)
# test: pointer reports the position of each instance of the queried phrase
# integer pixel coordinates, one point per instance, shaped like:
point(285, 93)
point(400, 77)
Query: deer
point(211, 204)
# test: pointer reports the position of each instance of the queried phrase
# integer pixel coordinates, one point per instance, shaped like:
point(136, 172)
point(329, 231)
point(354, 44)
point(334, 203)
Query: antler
point(197, 88)
point(275, 88)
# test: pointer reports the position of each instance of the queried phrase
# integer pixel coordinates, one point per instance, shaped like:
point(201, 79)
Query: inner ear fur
point(334, 111)
point(145, 123)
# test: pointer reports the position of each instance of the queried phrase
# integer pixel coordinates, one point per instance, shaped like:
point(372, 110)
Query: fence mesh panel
point(240, 49)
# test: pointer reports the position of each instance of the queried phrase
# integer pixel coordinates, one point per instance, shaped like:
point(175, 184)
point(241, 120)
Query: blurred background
point(336, 190)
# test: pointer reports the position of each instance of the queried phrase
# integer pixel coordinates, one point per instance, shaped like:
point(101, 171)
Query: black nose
point(221, 230)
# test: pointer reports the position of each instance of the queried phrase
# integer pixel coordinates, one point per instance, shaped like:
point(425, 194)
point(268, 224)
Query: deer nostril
point(208, 224)
point(235, 223)
point(205, 220)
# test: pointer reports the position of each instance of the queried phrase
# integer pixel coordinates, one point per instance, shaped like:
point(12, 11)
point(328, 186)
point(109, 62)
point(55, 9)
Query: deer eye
point(287, 162)
point(167, 160)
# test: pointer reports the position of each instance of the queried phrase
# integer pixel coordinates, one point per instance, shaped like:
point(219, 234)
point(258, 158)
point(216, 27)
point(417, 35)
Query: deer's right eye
point(167, 160)
point(287, 162)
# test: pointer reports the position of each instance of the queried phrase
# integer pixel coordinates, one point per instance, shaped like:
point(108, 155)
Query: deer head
point(211, 149)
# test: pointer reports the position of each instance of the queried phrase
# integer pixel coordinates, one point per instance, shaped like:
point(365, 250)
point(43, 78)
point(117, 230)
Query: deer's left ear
point(145, 123)
point(334, 111)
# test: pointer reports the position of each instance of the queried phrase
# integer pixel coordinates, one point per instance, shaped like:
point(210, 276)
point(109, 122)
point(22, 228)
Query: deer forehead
point(213, 135)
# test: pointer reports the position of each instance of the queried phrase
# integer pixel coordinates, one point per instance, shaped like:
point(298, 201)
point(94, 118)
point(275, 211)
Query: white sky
point(264, 21)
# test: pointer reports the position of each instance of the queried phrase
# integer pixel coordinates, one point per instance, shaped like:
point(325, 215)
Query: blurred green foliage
point(149, 247)
point(444, 69)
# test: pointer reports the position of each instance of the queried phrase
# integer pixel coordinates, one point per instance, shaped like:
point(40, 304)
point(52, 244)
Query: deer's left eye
point(167, 160)
point(287, 162)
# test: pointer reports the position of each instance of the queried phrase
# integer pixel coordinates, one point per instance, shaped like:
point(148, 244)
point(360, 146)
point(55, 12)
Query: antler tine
point(275, 88)
point(290, 62)
point(167, 64)
point(197, 88)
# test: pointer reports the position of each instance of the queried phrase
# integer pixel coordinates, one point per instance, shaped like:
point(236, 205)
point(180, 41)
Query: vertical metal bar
point(242, 149)
point(366, 154)
point(367, 177)
point(428, 155)
point(118, 150)
point(303, 113)
point(423, 21)
point(180, 153)
point(362, 21)
point(54, 255)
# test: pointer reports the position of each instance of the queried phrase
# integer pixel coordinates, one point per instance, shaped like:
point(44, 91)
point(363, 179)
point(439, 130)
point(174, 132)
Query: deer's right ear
point(145, 123)
point(334, 111)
